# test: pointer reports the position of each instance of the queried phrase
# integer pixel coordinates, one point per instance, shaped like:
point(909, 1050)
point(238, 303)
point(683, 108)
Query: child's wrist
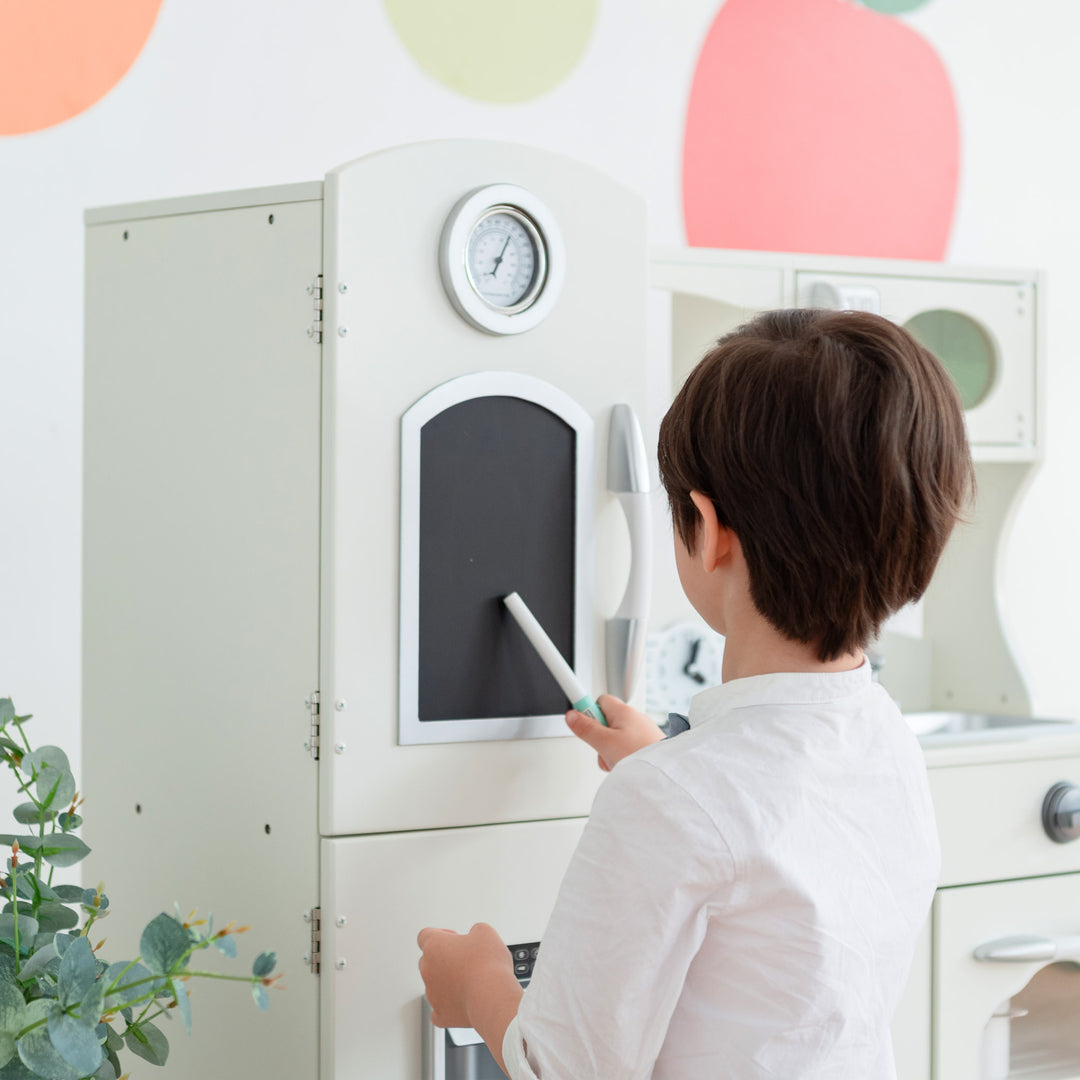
point(489, 991)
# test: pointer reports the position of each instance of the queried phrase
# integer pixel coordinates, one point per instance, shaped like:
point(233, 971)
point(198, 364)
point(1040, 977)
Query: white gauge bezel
point(539, 222)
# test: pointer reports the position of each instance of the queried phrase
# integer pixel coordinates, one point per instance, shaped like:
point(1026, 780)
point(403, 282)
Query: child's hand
point(628, 730)
point(462, 972)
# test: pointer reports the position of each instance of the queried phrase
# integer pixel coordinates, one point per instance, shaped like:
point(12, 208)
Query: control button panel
point(524, 959)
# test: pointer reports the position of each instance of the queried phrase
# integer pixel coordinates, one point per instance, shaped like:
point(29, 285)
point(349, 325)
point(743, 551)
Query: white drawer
point(990, 820)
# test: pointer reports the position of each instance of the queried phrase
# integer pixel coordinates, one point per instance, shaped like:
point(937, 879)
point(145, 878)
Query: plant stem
point(22, 735)
point(15, 914)
point(218, 975)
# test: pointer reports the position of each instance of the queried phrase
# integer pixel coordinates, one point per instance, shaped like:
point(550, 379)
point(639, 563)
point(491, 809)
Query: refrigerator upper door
point(393, 336)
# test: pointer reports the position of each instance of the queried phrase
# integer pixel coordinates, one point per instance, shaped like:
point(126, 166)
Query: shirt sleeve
point(630, 916)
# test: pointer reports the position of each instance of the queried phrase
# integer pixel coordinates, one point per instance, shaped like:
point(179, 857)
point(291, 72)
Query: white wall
point(229, 94)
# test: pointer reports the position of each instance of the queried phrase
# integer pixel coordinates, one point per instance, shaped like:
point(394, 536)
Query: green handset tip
point(588, 706)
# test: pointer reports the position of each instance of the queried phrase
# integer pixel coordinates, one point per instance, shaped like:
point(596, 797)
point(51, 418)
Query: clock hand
point(688, 668)
point(499, 257)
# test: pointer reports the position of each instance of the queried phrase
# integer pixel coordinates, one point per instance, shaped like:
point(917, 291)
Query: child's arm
point(469, 981)
point(628, 730)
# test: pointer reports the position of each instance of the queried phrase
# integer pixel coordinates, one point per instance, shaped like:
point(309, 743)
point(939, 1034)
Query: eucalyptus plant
point(61, 1004)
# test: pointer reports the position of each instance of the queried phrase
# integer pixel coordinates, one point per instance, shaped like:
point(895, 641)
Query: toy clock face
point(679, 663)
point(501, 258)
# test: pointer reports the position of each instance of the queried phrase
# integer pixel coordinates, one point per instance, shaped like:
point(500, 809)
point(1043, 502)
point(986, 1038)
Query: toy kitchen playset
point(328, 427)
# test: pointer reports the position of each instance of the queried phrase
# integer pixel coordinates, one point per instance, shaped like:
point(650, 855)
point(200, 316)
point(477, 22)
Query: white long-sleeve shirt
point(745, 899)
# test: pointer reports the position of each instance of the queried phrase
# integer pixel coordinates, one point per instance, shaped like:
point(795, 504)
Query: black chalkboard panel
point(497, 497)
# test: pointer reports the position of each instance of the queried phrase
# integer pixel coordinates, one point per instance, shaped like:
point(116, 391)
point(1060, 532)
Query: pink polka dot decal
point(819, 126)
point(58, 57)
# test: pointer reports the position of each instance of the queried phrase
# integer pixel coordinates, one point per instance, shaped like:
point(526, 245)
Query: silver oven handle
point(1030, 948)
point(628, 480)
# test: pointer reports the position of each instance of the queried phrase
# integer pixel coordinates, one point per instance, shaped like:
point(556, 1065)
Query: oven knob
point(1061, 812)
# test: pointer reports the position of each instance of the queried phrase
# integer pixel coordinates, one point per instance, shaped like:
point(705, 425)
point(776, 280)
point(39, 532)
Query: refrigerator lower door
point(379, 891)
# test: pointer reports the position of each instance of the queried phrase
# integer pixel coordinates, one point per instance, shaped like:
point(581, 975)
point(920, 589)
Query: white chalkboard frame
point(412, 730)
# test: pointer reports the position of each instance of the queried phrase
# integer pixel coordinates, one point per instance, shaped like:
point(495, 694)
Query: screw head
point(340, 963)
point(340, 704)
point(339, 748)
point(307, 958)
point(343, 331)
point(307, 915)
point(341, 920)
point(343, 287)
point(307, 744)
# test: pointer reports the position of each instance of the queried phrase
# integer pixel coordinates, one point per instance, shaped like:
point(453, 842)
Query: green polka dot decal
point(893, 7)
point(495, 50)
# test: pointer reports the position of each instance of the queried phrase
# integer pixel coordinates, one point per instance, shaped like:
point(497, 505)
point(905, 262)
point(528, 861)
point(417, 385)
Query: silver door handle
point(1029, 949)
point(628, 480)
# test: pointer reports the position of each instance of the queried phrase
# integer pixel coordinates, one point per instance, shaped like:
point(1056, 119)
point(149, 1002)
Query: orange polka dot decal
point(59, 57)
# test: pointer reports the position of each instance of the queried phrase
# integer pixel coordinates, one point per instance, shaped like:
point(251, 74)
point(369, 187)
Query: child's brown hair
point(832, 444)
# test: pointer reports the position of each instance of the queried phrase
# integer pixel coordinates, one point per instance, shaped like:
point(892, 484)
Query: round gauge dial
point(679, 663)
point(505, 259)
point(501, 258)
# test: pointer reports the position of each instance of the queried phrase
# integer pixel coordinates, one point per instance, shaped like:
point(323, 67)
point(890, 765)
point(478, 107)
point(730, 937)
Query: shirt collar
point(779, 688)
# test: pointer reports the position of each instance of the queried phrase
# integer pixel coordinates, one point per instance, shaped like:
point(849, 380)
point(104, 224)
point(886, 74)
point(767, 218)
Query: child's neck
point(755, 647)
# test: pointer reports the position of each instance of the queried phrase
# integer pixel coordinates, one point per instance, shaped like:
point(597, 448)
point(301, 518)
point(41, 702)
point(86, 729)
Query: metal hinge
point(314, 956)
point(315, 290)
point(311, 743)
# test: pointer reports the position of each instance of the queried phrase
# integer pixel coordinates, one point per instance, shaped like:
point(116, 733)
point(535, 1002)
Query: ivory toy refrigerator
point(327, 427)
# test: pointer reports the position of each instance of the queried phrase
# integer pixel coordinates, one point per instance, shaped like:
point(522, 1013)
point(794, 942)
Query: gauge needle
point(689, 668)
point(499, 257)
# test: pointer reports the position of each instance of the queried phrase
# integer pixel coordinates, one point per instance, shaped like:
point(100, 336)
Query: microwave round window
point(964, 348)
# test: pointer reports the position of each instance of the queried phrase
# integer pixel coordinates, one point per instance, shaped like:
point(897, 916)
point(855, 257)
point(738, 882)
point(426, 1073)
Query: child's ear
point(715, 542)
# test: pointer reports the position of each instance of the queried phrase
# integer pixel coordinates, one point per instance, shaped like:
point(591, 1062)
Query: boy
point(746, 897)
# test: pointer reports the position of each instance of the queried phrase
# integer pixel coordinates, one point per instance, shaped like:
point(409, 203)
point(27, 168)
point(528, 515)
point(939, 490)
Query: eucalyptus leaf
point(68, 893)
point(92, 1005)
point(77, 973)
point(164, 943)
point(53, 916)
point(148, 1042)
point(28, 929)
point(68, 821)
point(41, 940)
point(55, 784)
point(7, 710)
point(110, 1068)
point(113, 1039)
point(75, 1042)
point(60, 849)
point(27, 813)
point(262, 998)
point(226, 944)
point(16, 1070)
point(264, 964)
point(12, 1009)
point(183, 1003)
point(43, 956)
point(36, 1049)
point(7, 1047)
